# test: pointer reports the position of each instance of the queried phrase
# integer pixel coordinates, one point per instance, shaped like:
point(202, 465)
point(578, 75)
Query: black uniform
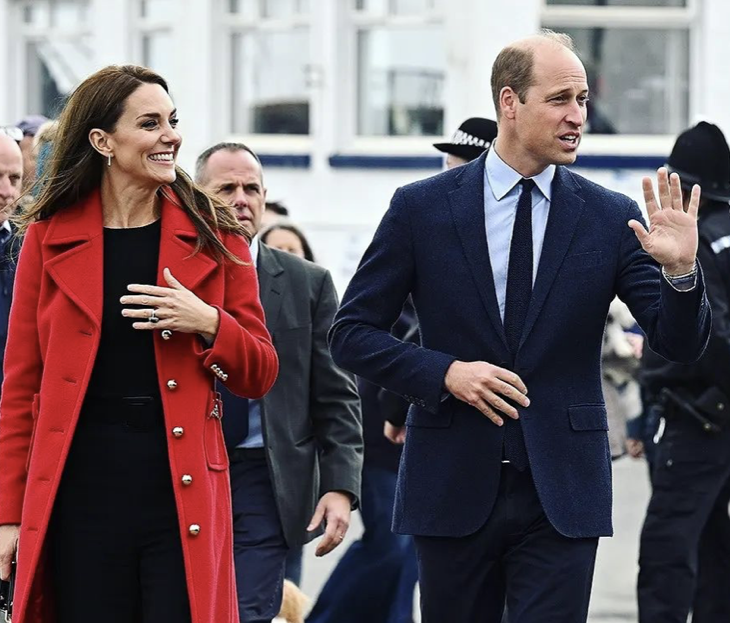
point(685, 543)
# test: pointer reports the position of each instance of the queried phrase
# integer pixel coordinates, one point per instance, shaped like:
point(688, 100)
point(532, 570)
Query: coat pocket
point(35, 411)
point(588, 417)
point(215, 445)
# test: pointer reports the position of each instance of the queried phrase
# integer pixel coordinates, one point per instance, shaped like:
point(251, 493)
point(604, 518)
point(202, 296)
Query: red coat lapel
point(76, 250)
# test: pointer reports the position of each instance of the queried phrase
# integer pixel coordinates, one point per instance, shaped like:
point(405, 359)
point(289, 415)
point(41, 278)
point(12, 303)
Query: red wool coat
point(55, 325)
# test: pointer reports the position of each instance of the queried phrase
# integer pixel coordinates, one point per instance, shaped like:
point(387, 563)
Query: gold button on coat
point(178, 431)
point(194, 529)
point(172, 384)
point(166, 334)
point(187, 479)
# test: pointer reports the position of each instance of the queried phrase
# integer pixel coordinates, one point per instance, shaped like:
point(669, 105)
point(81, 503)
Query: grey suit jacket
point(311, 417)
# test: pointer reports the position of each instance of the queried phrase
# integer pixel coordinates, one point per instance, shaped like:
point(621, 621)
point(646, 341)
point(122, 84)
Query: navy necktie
point(235, 417)
point(519, 291)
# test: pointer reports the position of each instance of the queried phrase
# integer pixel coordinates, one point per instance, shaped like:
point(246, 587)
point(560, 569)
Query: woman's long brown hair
point(75, 168)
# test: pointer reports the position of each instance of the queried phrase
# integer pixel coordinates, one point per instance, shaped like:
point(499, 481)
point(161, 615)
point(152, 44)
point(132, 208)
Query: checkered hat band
point(464, 138)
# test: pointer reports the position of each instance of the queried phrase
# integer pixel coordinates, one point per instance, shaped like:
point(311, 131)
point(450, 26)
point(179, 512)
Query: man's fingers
point(333, 536)
point(640, 232)
point(511, 379)
point(484, 407)
point(676, 191)
point(501, 405)
point(316, 518)
point(505, 389)
point(694, 201)
point(665, 196)
point(649, 197)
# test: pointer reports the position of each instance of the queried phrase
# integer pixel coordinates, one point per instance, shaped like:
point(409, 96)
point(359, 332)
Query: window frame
point(654, 18)
point(231, 24)
point(354, 143)
point(25, 100)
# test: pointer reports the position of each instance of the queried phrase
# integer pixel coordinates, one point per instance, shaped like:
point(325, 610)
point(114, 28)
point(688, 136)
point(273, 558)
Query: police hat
point(701, 156)
point(471, 140)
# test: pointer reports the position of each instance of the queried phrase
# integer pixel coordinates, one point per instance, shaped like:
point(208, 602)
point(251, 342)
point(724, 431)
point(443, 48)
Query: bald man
point(11, 181)
point(512, 261)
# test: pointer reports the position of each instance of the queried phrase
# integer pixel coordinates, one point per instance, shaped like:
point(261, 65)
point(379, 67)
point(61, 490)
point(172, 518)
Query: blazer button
point(166, 334)
point(178, 431)
point(720, 406)
point(187, 479)
point(172, 384)
point(194, 529)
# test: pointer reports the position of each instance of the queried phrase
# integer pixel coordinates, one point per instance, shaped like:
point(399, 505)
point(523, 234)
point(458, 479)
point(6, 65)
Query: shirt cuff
point(682, 283)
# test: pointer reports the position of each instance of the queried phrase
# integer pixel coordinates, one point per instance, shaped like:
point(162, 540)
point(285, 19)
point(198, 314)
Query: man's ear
point(508, 101)
point(101, 142)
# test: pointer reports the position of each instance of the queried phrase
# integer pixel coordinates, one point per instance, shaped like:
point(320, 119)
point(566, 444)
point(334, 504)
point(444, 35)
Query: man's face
point(11, 175)
point(549, 124)
point(29, 159)
point(236, 178)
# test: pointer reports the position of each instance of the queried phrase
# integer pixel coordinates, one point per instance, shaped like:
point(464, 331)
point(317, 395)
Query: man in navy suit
point(512, 262)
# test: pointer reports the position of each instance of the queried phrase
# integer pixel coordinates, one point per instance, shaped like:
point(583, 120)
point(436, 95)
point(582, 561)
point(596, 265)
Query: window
point(401, 63)
point(55, 54)
point(269, 61)
point(156, 37)
point(638, 72)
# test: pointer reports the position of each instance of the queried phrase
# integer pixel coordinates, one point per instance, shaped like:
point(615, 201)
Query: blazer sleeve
point(334, 405)
point(677, 324)
point(23, 367)
point(360, 337)
point(242, 349)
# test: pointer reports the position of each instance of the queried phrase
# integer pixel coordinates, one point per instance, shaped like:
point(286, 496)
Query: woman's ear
point(101, 142)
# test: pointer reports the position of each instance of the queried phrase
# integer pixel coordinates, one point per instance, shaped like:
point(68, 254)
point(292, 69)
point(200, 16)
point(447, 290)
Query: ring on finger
point(153, 316)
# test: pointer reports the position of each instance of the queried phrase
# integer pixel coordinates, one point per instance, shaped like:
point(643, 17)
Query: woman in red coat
point(135, 293)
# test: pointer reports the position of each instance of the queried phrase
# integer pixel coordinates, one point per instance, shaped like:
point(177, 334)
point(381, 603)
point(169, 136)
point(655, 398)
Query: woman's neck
point(127, 205)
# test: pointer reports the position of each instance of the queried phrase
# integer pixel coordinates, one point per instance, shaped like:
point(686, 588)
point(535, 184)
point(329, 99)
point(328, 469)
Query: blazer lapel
point(467, 210)
point(177, 246)
point(271, 284)
point(566, 207)
point(76, 264)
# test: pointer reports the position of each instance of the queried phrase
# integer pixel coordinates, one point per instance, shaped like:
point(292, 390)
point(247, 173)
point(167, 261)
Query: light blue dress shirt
point(501, 193)
point(255, 438)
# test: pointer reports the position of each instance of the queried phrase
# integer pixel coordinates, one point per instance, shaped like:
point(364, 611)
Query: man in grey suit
point(296, 455)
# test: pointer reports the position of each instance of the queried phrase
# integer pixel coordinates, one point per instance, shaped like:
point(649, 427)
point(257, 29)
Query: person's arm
point(334, 409)
point(241, 355)
point(360, 337)
point(676, 323)
point(23, 372)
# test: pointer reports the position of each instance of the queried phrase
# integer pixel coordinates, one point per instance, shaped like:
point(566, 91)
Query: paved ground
point(613, 598)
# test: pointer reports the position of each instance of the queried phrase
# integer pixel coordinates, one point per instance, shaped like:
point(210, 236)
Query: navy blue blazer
point(432, 244)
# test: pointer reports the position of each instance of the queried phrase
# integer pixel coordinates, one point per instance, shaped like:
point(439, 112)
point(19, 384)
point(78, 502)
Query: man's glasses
point(15, 133)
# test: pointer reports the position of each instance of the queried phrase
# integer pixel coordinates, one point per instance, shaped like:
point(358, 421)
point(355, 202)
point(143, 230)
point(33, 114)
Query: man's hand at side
point(334, 509)
point(485, 386)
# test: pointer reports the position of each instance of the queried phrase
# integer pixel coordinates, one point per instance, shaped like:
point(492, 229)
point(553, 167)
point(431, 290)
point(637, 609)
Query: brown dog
point(294, 605)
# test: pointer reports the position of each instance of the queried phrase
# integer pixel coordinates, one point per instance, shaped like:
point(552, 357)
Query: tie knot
point(527, 184)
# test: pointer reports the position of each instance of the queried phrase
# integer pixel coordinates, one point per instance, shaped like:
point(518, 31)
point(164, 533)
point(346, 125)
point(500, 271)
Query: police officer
point(685, 542)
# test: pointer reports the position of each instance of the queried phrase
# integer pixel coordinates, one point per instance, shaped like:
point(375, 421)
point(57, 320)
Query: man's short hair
point(277, 208)
point(514, 66)
point(203, 158)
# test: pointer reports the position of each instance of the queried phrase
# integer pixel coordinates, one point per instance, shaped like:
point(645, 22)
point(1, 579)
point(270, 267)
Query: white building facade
point(344, 98)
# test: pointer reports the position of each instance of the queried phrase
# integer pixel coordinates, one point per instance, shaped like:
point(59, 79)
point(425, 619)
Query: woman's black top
point(125, 362)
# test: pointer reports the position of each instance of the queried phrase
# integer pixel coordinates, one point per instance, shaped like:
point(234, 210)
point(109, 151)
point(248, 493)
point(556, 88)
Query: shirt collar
point(254, 249)
point(6, 225)
point(503, 178)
